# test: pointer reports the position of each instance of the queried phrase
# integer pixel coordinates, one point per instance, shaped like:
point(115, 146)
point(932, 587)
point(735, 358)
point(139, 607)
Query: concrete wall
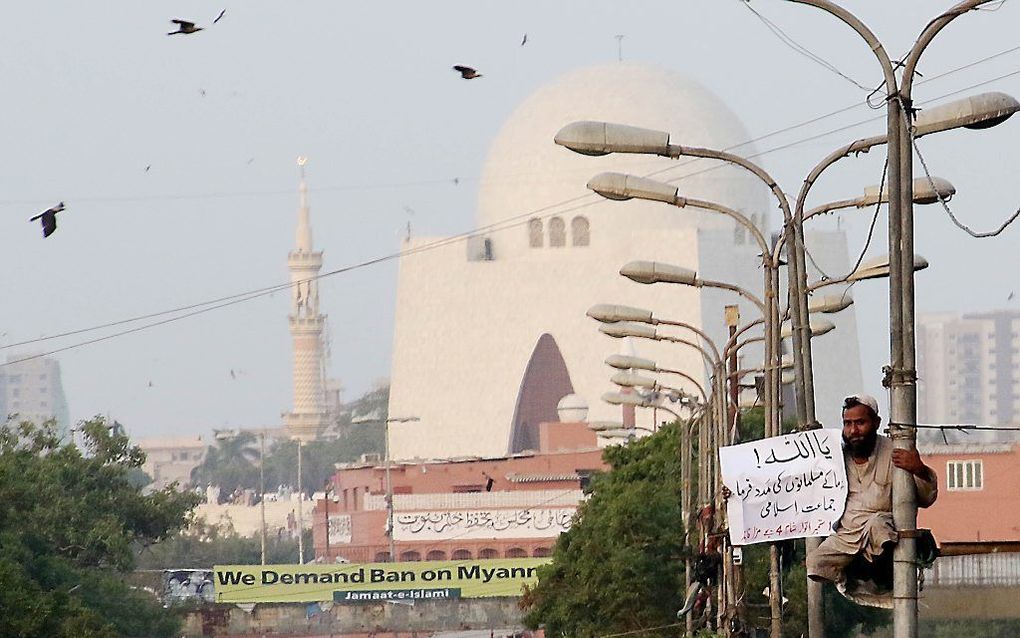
point(421, 619)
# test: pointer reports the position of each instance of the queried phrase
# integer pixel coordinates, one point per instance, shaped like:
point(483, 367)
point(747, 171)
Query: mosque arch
point(545, 381)
point(557, 233)
point(436, 554)
point(516, 552)
point(535, 239)
point(541, 552)
point(580, 231)
point(461, 554)
point(488, 552)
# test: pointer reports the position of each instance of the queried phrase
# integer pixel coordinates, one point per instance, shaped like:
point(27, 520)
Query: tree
point(233, 462)
point(620, 567)
point(203, 545)
point(70, 520)
point(230, 463)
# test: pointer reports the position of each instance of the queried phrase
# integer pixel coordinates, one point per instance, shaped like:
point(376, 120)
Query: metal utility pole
point(300, 510)
point(901, 375)
point(732, 314)
point(262, 494)
point(389, 492)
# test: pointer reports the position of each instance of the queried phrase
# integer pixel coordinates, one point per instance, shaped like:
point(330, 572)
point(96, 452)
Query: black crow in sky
point(49, 219)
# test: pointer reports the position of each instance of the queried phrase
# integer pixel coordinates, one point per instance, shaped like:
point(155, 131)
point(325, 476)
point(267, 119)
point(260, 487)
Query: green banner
point(393, 581)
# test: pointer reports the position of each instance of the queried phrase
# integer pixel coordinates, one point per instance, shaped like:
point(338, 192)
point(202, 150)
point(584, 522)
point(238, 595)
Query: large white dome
point(525, 171)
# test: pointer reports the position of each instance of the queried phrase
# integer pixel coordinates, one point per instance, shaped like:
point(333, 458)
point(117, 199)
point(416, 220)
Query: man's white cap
point(864, 399)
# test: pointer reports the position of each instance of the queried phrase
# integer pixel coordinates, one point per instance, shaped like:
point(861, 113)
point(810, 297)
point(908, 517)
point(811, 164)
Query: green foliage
point(69, 522)
point(621, 565)
point(203, 545)
point(843, 619)
point(233, 462)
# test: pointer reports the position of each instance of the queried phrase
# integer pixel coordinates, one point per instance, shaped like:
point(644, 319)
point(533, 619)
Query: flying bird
point(48, 219)
point(1010, 297)
point(466, 72)
point(147, 167)
point(219, 16)
point(524, 40)
point(185, 27)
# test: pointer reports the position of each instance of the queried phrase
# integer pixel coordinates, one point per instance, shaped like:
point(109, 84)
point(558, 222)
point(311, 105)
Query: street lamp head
point(975, 112)
point(619, 398)
point(879, 267)
point(830, 304)
point(609, 313)
point(650, 272)
point(633, 380)
point(922, 188)
point(817, 327)
point(603, 138)
point(602, 426)
point(622, 329)
point(625, 362)
point(621, 187)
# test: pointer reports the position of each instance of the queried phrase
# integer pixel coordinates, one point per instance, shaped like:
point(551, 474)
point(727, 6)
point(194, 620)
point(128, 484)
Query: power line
point(801, 49)
point(505, 224)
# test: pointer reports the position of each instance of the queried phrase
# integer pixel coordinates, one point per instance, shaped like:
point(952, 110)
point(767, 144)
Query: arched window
point(410, 557)
point(488, 552)
point(436, 554)
point(557, 233)
point(516, 552)
point(382, 557)
point(579, 232)
point(541, 552)
point(535, 233)
point(461, 554)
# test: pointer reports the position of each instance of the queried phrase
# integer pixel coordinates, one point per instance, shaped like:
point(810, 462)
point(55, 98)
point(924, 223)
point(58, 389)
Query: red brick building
point(455, 509)
point(979, 492)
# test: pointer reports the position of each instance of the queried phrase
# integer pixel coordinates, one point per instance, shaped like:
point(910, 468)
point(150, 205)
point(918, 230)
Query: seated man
point(866, 528)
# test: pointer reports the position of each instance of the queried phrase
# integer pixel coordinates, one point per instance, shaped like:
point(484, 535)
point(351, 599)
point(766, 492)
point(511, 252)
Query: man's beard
point(862, 447)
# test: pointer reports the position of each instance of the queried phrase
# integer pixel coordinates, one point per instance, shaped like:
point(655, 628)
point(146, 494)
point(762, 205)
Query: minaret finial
point(304, 228)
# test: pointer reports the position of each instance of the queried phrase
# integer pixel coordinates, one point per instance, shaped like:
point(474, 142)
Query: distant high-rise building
point(968, 368)
point(32, 390)
point(309, 416)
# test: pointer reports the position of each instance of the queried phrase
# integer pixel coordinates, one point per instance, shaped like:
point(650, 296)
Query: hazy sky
point(96, 92)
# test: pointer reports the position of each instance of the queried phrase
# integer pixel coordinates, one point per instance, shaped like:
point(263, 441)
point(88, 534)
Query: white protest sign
point(789, 486)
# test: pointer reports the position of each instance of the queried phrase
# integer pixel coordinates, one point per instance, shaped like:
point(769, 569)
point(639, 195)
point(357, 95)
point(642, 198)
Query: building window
point(535, 233)
point(557, 233)
point(579, 231)
point(14, 378)
point(488, 552)
point(436, 555)
point(410, 557)
point(516, 552)
point(461, 554)
point(382, 557)
point(541, 552)
point(964, 475)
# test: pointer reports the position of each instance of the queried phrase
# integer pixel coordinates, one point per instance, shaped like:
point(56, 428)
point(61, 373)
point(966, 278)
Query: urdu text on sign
point(789, 486)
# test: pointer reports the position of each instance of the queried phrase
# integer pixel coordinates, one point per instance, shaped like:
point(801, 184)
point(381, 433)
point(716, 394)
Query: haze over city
point(175, 157)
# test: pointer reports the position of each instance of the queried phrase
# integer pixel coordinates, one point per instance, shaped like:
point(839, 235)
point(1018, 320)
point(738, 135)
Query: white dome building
point(489, 339)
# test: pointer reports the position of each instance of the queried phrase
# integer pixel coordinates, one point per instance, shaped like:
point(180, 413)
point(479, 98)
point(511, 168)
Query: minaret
point(308, 418)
